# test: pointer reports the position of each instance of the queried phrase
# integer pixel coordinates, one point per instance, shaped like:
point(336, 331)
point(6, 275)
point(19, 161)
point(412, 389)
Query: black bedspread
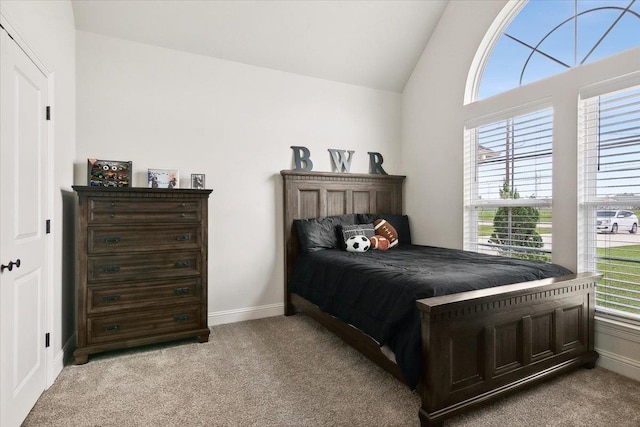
point(376, 291)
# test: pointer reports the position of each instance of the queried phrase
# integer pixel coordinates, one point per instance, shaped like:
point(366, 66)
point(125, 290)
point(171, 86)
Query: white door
point(23, 206)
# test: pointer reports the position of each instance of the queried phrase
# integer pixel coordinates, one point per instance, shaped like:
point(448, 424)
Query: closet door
point(23, 242)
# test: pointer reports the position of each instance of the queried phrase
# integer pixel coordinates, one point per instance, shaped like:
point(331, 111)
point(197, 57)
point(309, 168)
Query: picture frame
point(163, 178)
point(197, 181)
point(109, 173)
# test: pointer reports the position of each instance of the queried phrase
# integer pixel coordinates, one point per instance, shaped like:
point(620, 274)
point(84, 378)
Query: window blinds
point(508, 191)
point(610, 197)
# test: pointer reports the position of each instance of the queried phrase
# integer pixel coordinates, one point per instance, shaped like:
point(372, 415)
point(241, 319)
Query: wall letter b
point(302, 154)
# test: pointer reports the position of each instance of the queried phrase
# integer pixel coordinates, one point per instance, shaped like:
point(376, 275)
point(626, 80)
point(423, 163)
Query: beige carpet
point(291, 371)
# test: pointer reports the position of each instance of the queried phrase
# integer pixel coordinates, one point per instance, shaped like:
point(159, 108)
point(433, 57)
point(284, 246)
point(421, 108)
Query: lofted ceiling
point(371, 43)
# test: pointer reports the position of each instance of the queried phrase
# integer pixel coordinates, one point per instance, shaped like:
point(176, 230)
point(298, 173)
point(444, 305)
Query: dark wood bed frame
point(477, 346)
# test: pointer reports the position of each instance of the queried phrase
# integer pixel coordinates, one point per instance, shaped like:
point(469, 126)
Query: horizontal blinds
point(612, 130)
point(610, 152)
point(508, 165)
point(516, 151)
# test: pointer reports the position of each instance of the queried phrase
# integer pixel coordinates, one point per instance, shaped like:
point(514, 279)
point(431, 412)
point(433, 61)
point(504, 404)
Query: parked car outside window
point(610, 221)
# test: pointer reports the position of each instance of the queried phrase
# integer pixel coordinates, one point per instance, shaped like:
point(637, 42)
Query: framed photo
point(163, 178)
point(108, 173)
point(197, 181)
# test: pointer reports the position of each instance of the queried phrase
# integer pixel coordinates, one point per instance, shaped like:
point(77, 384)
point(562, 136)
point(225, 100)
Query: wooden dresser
point(142, 267)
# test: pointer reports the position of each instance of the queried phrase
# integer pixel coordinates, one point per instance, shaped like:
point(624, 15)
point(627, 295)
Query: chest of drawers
point(142, 267)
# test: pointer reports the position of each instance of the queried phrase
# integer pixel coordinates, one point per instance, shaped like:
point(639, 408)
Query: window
point(609, 191)
point(508, 194)
point(549, 37)
point(579, 78)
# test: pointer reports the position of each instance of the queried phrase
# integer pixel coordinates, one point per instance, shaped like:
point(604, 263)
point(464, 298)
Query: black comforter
point(376, 291)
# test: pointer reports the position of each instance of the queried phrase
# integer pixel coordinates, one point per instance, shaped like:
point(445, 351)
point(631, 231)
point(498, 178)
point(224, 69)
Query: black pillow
point(399, 222)
point(321, 233)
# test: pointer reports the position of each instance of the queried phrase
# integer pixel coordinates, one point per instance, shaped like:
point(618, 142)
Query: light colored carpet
point(291, 371)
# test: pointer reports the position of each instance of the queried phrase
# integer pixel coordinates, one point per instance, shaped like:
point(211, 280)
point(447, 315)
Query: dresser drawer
point(140, 239)
point(105, 299)
point(119, 211)
point(139, 267)
point(142, 323)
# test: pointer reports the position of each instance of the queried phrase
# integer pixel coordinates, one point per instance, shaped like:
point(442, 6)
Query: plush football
point(358, 244)
point(386, 230)
point(378, 242)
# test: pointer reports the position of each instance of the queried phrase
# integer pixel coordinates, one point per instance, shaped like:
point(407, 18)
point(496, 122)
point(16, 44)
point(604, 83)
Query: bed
point(475, 345)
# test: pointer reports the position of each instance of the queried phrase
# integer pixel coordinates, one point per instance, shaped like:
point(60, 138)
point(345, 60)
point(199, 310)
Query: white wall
point(47, 28)
point(434, 116)
point(432, 143)
point(235, 123)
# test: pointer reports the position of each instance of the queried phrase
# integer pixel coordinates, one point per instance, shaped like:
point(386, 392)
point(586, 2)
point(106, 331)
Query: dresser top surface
point(84, 190)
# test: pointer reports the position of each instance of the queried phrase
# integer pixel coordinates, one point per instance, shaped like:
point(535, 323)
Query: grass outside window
point(619, 288)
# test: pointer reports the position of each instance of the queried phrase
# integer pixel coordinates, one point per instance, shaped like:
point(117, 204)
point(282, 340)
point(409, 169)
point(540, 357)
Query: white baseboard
point(618, 344)
point(619, 364)
point(248, 313)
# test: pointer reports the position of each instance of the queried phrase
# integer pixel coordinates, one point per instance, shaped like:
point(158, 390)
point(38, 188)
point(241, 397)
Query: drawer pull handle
point(111, 298)
point(181, 317)
point(113, 204)
point(182, 291)
point(110, 269)
point(111, 240)
point(184, 205)
point(112, 215)
point(182, 264)
point(183, 237)
point(114, 327)
point(183, 215)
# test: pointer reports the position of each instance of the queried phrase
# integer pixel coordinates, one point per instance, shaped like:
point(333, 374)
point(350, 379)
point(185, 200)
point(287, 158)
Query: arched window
point(552, 141)
point(549, 37)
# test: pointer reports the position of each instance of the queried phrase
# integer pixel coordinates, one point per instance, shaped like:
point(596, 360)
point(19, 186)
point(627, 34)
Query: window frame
point(588, 202)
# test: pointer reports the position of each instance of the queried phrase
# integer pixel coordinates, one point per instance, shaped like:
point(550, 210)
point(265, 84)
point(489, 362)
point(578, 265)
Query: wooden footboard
point(481, 345)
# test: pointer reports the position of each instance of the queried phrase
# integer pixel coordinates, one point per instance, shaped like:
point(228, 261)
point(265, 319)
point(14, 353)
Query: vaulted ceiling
point(371, 43)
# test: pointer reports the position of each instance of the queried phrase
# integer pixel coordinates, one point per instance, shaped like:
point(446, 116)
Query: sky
point(550, 26)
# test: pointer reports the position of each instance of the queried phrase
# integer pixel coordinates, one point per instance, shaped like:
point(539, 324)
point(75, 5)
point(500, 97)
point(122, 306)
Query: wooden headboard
point(316, 194)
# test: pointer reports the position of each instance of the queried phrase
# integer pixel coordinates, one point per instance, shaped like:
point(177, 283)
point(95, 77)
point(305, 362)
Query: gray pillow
point(366, 230)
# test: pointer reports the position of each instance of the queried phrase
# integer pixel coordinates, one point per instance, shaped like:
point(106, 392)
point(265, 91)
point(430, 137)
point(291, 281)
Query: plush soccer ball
point(378, 242)
point(358, 244)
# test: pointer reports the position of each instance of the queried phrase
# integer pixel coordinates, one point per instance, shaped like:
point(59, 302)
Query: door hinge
point(48, 226)
point(48, 112)
point(46, 339)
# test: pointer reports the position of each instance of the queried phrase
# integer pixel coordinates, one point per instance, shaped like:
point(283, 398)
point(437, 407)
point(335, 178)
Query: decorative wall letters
point(375, 164)
point(341, 160)
point(302, 154)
